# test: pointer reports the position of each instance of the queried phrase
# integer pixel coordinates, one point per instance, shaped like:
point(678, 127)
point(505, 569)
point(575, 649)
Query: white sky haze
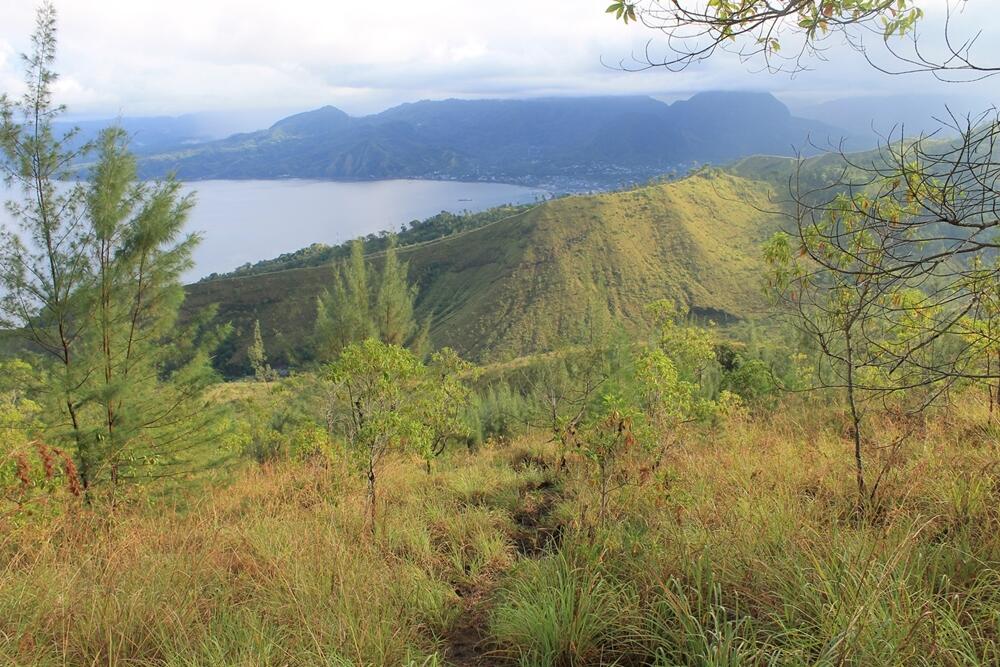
point(152, 57)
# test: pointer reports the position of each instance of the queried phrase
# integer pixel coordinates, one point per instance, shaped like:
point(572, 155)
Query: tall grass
point(558, 610)
point(272, 570)
point(743, 548)
point(747, 549)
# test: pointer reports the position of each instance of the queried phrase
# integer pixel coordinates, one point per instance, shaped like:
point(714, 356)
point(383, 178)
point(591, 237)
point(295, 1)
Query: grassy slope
point(523, 284)
point(741, 549)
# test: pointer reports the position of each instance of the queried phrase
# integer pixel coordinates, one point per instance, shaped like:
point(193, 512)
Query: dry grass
point(273, 569)
point(744, 548)
point(747, 549)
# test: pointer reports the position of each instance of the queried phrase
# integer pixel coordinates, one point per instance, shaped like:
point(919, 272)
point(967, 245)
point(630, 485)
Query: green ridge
point(524, 284)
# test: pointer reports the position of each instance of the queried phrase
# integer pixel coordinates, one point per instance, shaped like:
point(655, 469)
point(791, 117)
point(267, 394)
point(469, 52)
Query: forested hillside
point(525, 283)
point(575, 143)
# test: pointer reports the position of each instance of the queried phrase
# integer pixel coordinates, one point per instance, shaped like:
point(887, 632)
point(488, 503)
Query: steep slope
point(524, 284)
point(572, 142)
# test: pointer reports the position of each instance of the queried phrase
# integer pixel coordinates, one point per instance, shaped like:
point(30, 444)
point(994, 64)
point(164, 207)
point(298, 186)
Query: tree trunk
point(371, 497)
point(604, 495)
point(994, 393)
point(990, 386)
point(855, 424)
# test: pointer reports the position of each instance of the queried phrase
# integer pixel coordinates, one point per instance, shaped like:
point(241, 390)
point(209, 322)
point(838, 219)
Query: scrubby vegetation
point(742, 547)
point(820, 487)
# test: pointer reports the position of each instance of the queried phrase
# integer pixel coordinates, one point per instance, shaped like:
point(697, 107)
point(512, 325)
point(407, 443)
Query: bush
point(501, 412)
point(751, 380)
point(30, 470)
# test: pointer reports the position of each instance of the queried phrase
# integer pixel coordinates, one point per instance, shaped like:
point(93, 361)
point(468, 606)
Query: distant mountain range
point(157, 134)
point(870, 119)
point(568, 143)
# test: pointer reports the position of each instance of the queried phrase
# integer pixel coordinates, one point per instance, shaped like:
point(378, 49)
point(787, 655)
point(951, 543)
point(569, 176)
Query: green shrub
point(561, 610)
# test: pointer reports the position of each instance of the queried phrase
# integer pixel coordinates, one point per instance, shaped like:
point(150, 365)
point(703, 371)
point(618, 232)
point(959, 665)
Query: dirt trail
point(467, 644)
point(534, 535)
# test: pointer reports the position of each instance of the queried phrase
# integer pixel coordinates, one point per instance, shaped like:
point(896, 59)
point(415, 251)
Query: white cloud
point(156, 56)
point(10, 82)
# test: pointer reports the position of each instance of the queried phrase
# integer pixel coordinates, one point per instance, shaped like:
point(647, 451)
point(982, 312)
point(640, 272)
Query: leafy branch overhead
point(622, 10)
point(696, 28)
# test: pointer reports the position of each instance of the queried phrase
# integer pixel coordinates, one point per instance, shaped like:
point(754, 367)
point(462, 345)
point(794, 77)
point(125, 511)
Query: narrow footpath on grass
point(468, 643)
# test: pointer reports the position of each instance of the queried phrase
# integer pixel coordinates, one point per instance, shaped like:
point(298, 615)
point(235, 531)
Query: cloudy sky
point(151, 57)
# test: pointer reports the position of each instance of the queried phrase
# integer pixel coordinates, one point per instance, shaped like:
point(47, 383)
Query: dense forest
point(750, 416)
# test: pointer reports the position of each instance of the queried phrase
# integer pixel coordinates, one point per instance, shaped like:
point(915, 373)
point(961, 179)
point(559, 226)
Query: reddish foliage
point(72, 476)
point(22, 470)
point(48, 462)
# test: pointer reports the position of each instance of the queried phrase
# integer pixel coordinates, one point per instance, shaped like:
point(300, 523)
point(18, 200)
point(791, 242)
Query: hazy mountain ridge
point(574, 143)
point(873, 119)
point(156, 134)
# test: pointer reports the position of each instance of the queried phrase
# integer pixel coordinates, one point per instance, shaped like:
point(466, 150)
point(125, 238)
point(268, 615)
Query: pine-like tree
point(138, 411)
point(352, 311)
point(44, 271)
point(343, 313)
point(95, 286)
point(394, 300)
point(257, 356)
point(420, 343)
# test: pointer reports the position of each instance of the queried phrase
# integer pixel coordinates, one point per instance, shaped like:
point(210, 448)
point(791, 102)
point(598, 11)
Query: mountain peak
point(324, 119)
point(733, 100)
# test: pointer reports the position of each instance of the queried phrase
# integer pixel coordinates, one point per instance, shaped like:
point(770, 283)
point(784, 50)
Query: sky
point(159, 57)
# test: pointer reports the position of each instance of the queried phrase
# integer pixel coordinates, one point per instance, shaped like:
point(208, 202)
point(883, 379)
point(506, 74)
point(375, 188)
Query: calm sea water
point(246, 221)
